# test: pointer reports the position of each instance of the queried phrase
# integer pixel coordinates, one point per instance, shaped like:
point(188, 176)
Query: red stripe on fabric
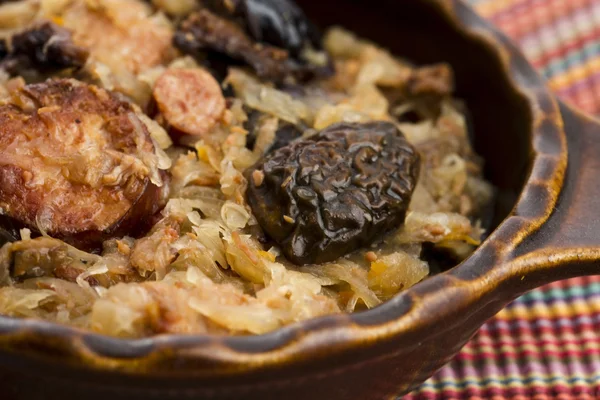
point(496, 342)
point(532, 14)
point(568, 47)
point(584, 98)
point(524, 354)
point(533, 393)
point(540, 330)
point(572, 282)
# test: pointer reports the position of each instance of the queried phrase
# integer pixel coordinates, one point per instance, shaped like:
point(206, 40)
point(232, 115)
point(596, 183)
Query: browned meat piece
point(189, 99)
point(75, 162)
point(212, 33)
point(279, 23)
point(45, 47)
point(204, 30)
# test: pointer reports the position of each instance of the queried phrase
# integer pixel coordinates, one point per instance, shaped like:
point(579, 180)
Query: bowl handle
point(568, 244)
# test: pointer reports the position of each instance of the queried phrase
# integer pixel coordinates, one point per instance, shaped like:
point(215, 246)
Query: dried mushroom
point(278, 22)
point(274, 37)
point(338, 190)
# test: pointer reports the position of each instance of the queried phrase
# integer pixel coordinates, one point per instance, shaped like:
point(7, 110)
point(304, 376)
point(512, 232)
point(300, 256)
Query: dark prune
point(322, 197)
point(45, 47)
point(270, 36)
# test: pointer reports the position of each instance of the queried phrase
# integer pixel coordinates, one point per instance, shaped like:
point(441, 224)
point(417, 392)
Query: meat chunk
point(45, 47)
point(190, 99)
point(75, 162)
point(204, 30)
point(207, 31)
point(280, 23)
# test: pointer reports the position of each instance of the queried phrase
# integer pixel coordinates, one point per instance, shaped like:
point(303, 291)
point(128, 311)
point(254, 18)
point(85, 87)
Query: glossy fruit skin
point(327, 195)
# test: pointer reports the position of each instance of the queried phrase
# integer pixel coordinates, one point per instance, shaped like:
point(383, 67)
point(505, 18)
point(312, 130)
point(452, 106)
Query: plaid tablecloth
point(546, 345)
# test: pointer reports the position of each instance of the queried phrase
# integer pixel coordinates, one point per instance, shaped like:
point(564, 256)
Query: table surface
point(545, 345)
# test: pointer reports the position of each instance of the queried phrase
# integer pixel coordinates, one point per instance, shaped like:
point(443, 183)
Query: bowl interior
point(501, 118)
point(502, 123)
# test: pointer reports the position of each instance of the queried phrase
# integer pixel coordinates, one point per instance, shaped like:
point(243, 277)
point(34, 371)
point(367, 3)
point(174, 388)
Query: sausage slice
point(75, 162)
point(190, 99)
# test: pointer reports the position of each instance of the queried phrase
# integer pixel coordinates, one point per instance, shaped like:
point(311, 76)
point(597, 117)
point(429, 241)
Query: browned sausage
point(75, 162)
point(189, 99)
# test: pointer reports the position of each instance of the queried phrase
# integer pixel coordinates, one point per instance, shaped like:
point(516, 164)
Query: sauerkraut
point(206, 266)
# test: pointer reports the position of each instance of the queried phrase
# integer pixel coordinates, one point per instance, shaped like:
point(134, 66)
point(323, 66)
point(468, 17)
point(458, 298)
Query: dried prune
point(45, 47)
point(270, 36)
point(322, 197)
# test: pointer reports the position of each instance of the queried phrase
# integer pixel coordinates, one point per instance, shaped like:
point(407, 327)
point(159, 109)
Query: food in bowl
point(219, 167)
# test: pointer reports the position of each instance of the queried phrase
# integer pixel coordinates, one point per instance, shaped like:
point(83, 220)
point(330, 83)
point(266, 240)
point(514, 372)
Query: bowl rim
point(323, 335)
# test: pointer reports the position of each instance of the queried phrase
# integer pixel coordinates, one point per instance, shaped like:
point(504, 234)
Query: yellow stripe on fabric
point(576, 73)
point(512, 380)
point(517, 379)
point(553, 346)
point(489, 8)
point(550, 311)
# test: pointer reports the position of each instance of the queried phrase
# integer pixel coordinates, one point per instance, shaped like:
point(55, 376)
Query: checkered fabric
point(545, 345)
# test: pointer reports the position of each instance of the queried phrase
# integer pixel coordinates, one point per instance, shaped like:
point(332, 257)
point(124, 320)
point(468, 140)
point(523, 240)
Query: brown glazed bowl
point(545, 160)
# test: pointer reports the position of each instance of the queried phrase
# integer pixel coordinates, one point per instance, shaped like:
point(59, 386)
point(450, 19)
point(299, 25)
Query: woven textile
point(545, 345)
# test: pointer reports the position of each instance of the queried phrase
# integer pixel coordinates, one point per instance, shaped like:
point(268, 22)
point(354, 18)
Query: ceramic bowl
point(543, 156)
